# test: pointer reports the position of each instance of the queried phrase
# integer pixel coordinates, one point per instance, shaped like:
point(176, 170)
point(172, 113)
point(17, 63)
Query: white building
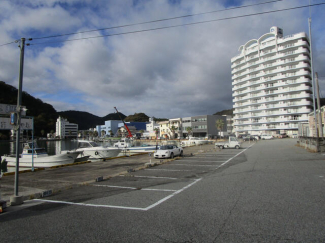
point(150, 129)
point(66, 129)
point(271, 85)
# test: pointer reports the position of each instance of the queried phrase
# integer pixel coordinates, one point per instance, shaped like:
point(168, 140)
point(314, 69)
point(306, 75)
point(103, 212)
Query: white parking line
point(122, 207)
point(209, 161)
point(170, 196)
point(191, 165)
point(166, 170)
point(90, 205)
point(157, 177)
point(233, 157)
point(135, 188)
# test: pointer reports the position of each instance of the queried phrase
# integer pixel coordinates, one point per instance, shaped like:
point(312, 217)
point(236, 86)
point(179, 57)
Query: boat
point(194, 141)
point(127, 147)
point(38, 157)
point(95, 151)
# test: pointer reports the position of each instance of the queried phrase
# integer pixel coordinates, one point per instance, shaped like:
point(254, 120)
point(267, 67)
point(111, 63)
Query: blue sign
point(13, 118)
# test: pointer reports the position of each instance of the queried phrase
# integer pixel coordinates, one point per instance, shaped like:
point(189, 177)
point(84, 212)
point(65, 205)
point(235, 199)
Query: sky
point(180, 71)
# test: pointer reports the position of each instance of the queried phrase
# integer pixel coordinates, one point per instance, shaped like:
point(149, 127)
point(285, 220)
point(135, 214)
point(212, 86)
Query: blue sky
point(174, 72)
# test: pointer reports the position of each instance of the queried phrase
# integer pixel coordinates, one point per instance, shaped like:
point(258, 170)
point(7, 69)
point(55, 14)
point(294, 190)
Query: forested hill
point(45, 115)
point(225, 112)
point(86, 120)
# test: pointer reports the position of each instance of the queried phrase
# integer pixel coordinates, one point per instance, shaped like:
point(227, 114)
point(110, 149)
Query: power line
point(154, 21)
point(174, 26)
point(15, 41)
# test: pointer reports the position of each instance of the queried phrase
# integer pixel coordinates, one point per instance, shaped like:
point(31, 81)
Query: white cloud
point(174, 72)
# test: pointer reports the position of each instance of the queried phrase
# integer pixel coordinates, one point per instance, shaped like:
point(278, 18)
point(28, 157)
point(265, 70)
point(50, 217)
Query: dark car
point(249, 138)
point(283, 135)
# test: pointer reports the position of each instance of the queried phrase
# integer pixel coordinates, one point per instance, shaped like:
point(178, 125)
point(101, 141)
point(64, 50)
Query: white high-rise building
point(271, 85)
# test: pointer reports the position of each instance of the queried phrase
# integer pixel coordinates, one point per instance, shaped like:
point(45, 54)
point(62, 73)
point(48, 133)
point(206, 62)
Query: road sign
point(25, 124)
point(7, 109)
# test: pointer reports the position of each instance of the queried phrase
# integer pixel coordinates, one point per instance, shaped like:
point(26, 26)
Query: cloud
point(175, 72)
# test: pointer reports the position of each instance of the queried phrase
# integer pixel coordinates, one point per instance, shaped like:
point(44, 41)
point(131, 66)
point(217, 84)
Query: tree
point(111, 133)
point(173, 129)
point(220, 124)
point(156, 131)
point(103, 133)
point(189, 131)
point(95, 134)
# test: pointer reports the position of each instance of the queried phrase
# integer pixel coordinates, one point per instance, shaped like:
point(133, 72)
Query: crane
point(130, 134)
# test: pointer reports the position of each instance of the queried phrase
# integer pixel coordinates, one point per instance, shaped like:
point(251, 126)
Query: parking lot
point(148, 188)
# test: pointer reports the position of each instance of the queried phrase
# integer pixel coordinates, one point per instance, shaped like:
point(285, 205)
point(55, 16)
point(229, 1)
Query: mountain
point(44, 114)
point(225, 112)
point(137, 117)
point(86, 120)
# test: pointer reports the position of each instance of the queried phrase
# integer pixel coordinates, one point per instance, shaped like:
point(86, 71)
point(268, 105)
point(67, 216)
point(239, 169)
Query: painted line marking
point(173, 194)
point(90, 205)
point(191, 165)
point(157, 177)
point(122, 207)
point(167, 170)
point(207, 161)
point(233, 157)
point(134, 188)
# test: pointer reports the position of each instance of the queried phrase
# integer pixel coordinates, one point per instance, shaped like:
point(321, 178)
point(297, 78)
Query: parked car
point(168, 151)
point(257, 137)
point(283, 135)
point(249, 138)
point(264, 136)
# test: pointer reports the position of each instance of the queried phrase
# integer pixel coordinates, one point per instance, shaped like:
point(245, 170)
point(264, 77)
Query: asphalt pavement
point(269, 191)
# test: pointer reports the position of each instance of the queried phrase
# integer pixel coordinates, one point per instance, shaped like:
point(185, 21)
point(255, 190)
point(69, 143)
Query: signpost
point(9, 124)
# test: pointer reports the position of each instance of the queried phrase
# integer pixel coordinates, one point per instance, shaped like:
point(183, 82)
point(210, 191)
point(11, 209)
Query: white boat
point(194, 141)
point(127, 147)
point(95, 151)
point(39, 158)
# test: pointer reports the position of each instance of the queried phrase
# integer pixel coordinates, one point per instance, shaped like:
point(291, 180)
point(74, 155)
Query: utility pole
point(16, 200)
point(320, 123)
point(313, 83)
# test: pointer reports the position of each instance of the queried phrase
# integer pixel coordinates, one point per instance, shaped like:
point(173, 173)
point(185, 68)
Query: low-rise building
point(109, 128)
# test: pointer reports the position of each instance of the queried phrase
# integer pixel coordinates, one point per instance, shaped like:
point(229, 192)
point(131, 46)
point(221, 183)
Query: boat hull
point(44, 161)
point(100, 153)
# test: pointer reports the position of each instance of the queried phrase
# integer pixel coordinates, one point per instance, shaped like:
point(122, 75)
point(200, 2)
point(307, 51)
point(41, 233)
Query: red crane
point(130, 134)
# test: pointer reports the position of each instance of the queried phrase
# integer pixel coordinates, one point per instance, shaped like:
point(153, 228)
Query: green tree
point(189, 131)
point(111, 133)
point(156, 131)
point(103, 133)
point(220, 124)
point(95, 134)
point(173, 130)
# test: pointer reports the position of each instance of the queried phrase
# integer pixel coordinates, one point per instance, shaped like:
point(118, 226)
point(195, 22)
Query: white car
point(168, 151)
point(264, 136)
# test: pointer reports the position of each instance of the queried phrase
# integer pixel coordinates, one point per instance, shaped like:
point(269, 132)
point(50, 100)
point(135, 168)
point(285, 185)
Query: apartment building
point(65, 129)
point(271, 85)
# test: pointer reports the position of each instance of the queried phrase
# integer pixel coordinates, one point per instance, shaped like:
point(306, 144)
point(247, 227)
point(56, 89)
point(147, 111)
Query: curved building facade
point(271, 85)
